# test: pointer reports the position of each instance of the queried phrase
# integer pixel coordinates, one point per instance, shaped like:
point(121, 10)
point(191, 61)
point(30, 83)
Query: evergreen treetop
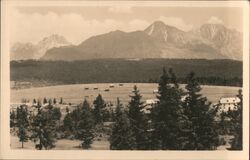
point(203, 135)
point(85, 128)
point(122, 137)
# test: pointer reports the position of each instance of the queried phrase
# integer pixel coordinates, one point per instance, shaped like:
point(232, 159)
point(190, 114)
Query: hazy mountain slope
point(20, 51)
point(35, 51)
point(115, 44)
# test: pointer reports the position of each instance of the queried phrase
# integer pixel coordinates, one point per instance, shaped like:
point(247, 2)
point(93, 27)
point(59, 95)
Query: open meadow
point(78, 92)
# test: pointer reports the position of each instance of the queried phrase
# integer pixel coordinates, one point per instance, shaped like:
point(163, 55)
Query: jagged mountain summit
point(210, 41)
point(228, 41)
point(36, 51)
point(175, 43)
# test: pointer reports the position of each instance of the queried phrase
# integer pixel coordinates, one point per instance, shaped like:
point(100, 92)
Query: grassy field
point(77, 92)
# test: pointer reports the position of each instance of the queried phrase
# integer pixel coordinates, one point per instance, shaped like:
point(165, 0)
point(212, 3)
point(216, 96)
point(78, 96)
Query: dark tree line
point(218, 72)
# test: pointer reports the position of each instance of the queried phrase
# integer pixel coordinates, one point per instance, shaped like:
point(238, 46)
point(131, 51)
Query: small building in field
point(155, 91)
point(149, 104)
point(228, 103)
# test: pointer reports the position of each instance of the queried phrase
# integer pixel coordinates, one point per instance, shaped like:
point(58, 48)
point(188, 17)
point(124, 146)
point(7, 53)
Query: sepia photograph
point(133, 77)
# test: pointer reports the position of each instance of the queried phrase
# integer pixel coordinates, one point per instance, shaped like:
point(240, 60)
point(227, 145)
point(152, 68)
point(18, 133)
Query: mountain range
point(210, 41)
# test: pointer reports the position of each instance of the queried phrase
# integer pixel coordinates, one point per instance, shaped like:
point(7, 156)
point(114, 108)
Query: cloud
point(137, 24)
point(26, 27)
point(215, 20)
point(120, 9)
point(177, 22)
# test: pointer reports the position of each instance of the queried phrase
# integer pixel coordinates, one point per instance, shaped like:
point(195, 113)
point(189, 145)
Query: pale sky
point(31, 24)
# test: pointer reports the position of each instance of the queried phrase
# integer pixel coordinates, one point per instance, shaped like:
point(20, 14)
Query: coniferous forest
point(208, 72)
point(179, 120)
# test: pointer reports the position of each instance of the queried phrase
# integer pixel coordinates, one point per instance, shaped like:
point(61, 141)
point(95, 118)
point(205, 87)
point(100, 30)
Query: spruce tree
point(139, 121)
point(85, 128)
point(34, 101)
point(68, 123)
point(54, 100)
point(61, 101)
point(122, 137)
point(22, 123)
point(56, 115)
point(12, 118)
point(203, 134)
point(76, 117)
point(56, 112)
point(236, 121)
point(99, 106)
point(45, 101)
point(43, 129)
point(67, 109)
point(50, 102)
point(167, 115)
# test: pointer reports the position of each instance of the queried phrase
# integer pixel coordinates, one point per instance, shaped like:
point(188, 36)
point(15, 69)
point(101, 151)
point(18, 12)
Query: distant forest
point(208, 72)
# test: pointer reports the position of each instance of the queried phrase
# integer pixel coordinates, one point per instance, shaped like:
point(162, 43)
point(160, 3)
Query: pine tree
point(167, 115)
point(56, 115)
point(50, 102)
point(68, 123)
point(67, 109)
point(43, 129)
point(203, 134)
point(12, 118)
point(236, 121)
point(139, 121)
point(85, 128)
point(61, 101)
point(122, 137)
point(76, 117)
point(54, 100)
point(34, 101)
point(99, 106)
point(55, 112)
point(45, 101)
point(39, 105)
point(22, 123)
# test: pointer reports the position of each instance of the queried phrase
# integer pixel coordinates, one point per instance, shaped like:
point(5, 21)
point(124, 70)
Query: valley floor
point(76, 93)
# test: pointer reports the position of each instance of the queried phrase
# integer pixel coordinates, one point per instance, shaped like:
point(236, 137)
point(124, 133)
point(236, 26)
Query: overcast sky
point(31, 24)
